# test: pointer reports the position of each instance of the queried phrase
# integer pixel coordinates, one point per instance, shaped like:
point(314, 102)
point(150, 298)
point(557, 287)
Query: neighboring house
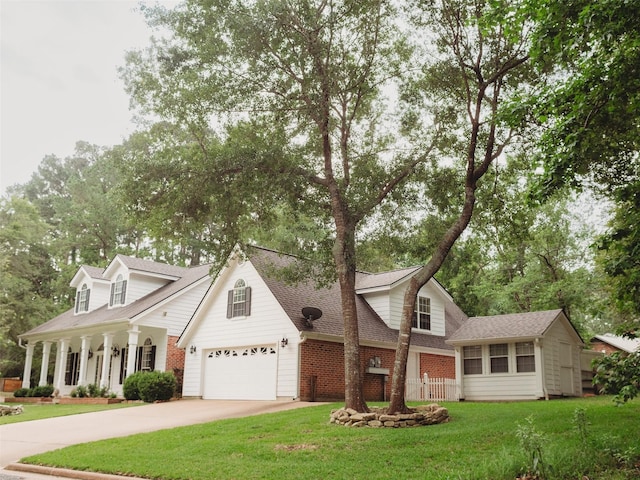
point(127, 317)
point(609, 343)
point(249, 339)
point(518, 356)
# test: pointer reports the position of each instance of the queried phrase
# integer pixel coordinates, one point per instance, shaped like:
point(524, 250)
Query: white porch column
point(44, 368)
point(61, 362)
point(28, 361)
point(132, 350)
point(106, 359)
point(84, 359)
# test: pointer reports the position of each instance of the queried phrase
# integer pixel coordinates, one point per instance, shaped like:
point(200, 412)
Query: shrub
point(150, 386)
point(95, 391)
point(41, 391)
point(21, 392)
point(157, 386)
point(80, 391)
point(130, 388)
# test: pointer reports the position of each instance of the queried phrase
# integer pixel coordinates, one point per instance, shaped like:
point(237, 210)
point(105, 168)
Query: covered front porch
point(93, 357)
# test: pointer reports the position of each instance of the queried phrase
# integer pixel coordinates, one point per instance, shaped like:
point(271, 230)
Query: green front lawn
point(39, 411)
point(479, 442)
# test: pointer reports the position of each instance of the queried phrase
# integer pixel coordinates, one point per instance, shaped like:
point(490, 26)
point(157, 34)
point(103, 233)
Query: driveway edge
point(65, 472)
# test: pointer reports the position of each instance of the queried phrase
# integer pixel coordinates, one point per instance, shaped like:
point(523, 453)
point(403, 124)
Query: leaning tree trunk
point(397, 400)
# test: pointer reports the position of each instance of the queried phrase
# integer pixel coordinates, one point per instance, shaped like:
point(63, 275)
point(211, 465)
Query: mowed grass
point(39, 412)
point(479, 442)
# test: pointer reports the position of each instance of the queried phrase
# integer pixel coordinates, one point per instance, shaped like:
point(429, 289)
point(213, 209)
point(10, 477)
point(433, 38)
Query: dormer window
point(118, 291)
point(422, 314)
point(82, 299)
point(239, 300)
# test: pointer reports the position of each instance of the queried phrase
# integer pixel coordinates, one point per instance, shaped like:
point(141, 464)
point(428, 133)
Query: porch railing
point(431, 389)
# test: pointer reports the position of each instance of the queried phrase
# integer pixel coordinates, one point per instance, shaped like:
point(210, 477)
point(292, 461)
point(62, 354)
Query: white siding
point(175, 314)
point(500, 387)
point(381, 304)
point(557, 336)
point(395, 301)
point(267, 324)
point(141, 285)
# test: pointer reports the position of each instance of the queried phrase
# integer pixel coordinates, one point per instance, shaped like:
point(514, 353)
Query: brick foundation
point(322, 371)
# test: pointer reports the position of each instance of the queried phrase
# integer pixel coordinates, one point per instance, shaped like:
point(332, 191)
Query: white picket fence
point(431, 389)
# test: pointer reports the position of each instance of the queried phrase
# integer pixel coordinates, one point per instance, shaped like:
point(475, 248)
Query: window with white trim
point(82, 299)
point(472, 356)
point(525, 357)
point(499, 357)
point(146, 355)
point(239, 300)
point(118, 291)
point(422, 314)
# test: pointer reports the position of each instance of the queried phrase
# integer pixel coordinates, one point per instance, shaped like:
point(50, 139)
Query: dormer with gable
point(384, 292)
point(131, 278)
point(92, 289)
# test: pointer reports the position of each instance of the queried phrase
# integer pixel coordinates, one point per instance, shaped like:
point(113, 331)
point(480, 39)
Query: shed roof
point(509, 326)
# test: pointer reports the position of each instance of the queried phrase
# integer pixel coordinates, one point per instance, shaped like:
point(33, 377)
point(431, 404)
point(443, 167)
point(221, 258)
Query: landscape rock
point(378, 417)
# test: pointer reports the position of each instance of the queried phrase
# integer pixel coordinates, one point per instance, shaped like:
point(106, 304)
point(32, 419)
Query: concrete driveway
point(18, 440)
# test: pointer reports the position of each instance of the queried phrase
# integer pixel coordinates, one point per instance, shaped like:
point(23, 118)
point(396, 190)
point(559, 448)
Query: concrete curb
point(65, 472)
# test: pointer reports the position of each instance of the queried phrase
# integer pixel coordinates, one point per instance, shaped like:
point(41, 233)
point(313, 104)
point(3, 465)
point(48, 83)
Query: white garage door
point(246, 373)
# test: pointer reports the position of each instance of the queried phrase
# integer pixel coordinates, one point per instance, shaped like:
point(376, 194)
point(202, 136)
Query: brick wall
point(175, 360)
point(437, 366)
point(603, 347)
point(322, 369)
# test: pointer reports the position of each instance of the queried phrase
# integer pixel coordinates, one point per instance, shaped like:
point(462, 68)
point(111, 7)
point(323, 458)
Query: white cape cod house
point(127, 317)
point(249, 334)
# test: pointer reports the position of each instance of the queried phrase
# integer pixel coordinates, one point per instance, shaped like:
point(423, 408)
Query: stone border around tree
point(419, 416)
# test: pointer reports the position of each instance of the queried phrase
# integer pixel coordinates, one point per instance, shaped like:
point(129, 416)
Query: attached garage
point(242, 373)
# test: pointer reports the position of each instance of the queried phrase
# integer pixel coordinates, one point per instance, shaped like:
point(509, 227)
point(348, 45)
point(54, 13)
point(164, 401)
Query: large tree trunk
point(344, 258)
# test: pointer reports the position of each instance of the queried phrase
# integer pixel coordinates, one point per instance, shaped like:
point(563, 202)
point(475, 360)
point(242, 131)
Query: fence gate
point(431, 389)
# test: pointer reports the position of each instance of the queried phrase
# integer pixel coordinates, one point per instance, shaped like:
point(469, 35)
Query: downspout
point(303, 339)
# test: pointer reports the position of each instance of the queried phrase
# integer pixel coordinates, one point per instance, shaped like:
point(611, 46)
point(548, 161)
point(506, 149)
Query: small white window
point(499, 355)
point(525, 357)
point(118, 291)
point(146, 362)
point(82, 299)
point(422, 314)
point(472, 356)
point(239, 300)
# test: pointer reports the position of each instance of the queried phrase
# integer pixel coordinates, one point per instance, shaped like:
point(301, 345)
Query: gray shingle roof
point(94, 272)
point(133, 263)
point(103, 315)
point(515, 325)
point(627, 344)
point(371, 327)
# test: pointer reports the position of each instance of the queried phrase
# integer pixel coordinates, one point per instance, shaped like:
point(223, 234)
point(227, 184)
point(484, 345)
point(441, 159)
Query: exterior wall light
point(284, 342)
point(192, 349)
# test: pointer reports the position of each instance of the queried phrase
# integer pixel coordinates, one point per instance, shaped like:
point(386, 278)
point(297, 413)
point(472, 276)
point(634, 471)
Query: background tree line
point(329, 130)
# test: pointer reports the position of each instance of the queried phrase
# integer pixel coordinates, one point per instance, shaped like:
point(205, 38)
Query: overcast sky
point(59, 81)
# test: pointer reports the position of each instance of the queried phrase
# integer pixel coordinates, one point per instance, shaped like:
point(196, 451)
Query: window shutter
point(111, 299)
point(247, 301)
point(153, 358)
point(123, 294)
point(230, 304)
point(139, 360)
point(77, 301)
point(86, 305)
